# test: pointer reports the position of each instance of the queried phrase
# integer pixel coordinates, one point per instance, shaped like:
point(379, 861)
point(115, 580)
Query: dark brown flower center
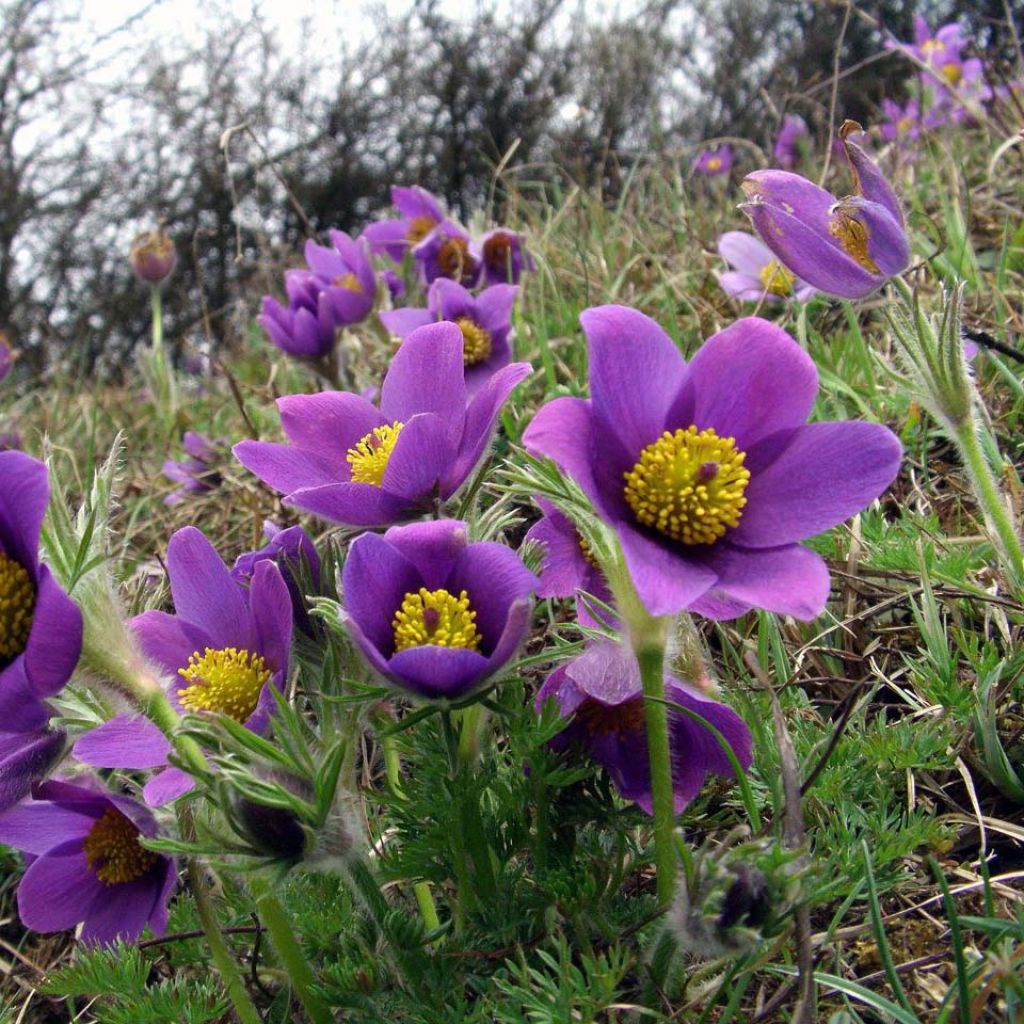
point(601, 719)
point(17, 603)
point(453, 258)
point(113, 851)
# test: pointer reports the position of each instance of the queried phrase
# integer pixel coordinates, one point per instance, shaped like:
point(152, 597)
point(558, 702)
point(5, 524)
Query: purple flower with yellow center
point(792, 134)
point(569, 567)
point(713, 162)
point(40, 626)
point(503, 256)
point(197, 474)
point(432, 613)
point(757, 274)
point(223, 650)
point(847, 247)
point(345, 274)
point(600, 689)
point(153, 256)
point(707, 471)
point(485, 322)
point(421, 213)
point(948, 70)
point(24, 759)
point(356, 464)
point(446, 252)
point(88, 865)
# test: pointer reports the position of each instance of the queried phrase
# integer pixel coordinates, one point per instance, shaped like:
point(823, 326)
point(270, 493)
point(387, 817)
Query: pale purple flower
point(792, 135)
point(757, 275)
point(713, 162)
point(421, 213)
point(198, 473)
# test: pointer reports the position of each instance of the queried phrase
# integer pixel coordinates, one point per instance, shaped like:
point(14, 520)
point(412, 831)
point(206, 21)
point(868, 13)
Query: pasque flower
point(433, 613)
point(712, 162)
point(222, 650)
point(485, 322)
point(87, 864)
point(787, 146)
point(503, 256)
point(345, 272)
point(446, 252)
point(757, 274)
point(707, 472)
point(197, 474)
point(40, 626)
point(421, 213)
point(601, 691)
point(846, 247)
point(153, 256)
point(354, 463)
point(24, 759)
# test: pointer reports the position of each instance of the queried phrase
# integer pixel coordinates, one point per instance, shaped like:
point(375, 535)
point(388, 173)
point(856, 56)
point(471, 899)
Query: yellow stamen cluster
point(453, 257)
point(113, 852)
point(853, 236)
point(689, 485)
point(476, 341)
point(714, 164)
point(349, 282)
point(369, 458)
point(438, 618)
point(228, 681)
point(601, 720)
point(419, 228)
point(588, 552)
point(17, 603)
point(776, 278)
point(952, 73)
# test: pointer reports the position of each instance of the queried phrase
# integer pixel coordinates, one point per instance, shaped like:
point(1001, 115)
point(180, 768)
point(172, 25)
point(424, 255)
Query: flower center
point(852, 234)
point(228, 681)
point(369, 458)
point(588, 551)
point(602, 719)
point(17, 603)
point(689, 485)
point(113, 852)
point(476, 341)
point(453, 258)
point(905, 125)
point(776, 278)
point(714, 163)
point(349, 282)
point(952, 73)
point(419, 228)
point(496, 251)
point(438, 618)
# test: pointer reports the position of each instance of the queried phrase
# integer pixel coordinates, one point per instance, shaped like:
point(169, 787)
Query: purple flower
point(446, 252)
point(432, 613)
point(847, 247)
point(569, 566)
point(223, 649)
point(485, 322)
point(394, 284)
point(787, 146)
point(196, 474)
point(24, 759)
point(712, 162)
point(503, 256)
point(602, 692)
point(6, 355)
point(421, 213)
point(758, 274)
point(356, 464)
point(707, 472)
point(153, 256)
point(87, 864)
point(306, 327)
point(345, 273)
point(40, 626)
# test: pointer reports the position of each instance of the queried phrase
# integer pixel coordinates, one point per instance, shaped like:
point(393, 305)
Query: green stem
point(300, 974)
point(158, 318)
point(222, 958)
point(652, 677)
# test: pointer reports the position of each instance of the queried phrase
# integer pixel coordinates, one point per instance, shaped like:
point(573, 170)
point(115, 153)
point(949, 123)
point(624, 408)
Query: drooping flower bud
point(153, 256)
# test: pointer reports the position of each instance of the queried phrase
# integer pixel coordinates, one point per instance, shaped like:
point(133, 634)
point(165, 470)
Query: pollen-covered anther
point(689, 485)
point(419, 228)
point(476, 341)
point(227, 681)
point(349, 282)
point(588, 552)
point(17, 603)
point(113, 851)
point(853, 235)
point(453, 257)
point(776, 278)
point(369, 458)
point(952, 73)
point(497, 249)
point(437, 618)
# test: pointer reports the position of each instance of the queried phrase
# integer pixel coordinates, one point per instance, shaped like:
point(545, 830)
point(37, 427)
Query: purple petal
point(495, 305)
point(352, 504)
point(516, 627)
point(415, 201)
point(665, 580)
point(286, 468)
point(168, 785)
point(271, 607)
point(564, 569)
point(421, 454)
point(743, 288)
point(562, 431)
point(746, 252)
point(58, 890)
point(388, 236)
point(328, 424)
point(785, 191)
point(23, 501)
point(434, 672)
point(124, 910)
point(402, 322)
point(26, 759)
point(433, 548)
point(606, 672)
point(38, 826)
point(55, 640)
point(127, 741)
point(871, 183)
point(168, 641)
point(493, 577)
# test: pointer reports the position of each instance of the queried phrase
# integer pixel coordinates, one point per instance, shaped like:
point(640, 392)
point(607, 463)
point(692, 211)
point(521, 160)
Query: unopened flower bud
point(153, 256)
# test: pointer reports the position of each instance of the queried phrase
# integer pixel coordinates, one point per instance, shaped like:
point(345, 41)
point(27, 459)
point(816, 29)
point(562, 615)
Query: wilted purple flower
point(847, 247)
point(787, 146)
point(196, 474)
point(707, 472)
point(153, 256)
point(758, 274)
point(446, 252)
point(87, 864)
point(223, 649)
point(485, 322)
point(6, 355)
point(569, 566)
point(421, 213)
point(345, 273)
point(712, 162)
point(40, 626)
point(360, 465)
point(601, 690)
point(24, 759)
point(432, 613)
point(503, 256)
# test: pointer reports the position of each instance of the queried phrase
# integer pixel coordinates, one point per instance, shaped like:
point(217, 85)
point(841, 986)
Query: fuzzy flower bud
point(153, 256)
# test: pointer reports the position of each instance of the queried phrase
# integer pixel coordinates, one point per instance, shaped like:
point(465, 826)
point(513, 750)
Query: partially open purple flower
point(306, 327)
point(601, 690)
point(707, 472)
point(792, 134)
point(197, 474)
point(153, 256)
point(485, 322)
point(712, 162)
point(87, 864)
point(40, 626)
point(223, 649)
point(24, 759)
point(345, 274)
point(446, 252)
point(360, 465)
point(758, 274)
point(421, 213)
point(503, 256)
point(847, 247)
point(432, 613)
